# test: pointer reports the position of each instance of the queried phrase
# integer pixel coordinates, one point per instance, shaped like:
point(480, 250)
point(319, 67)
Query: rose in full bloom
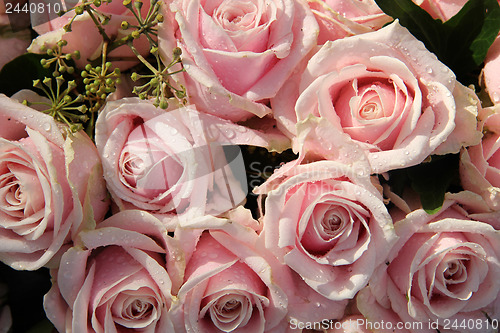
point(338, 18)
point(47, 191)
point(444, 266)
point(480, 164)
point(232, 283)
point(171, 162)
point(84, 35)
point(329, 225)
point(383, 89)
point(116, 278)
point(222, 40)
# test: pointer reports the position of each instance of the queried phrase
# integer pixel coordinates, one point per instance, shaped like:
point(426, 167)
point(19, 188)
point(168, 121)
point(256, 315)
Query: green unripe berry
point(163, 104)
point(135, 34)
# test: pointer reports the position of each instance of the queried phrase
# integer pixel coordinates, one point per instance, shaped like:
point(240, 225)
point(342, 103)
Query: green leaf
point(488, 33)
point(462, 42)
point(431, 180)
point(461, 30)
point(416, 20)
point(20, 73)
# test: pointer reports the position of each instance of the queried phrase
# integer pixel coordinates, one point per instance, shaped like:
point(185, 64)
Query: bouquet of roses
point(249, 166)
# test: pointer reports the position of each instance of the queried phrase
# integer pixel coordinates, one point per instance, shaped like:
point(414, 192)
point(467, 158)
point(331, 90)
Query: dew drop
point(230, 133)
point(428, 70)
point(496, 97)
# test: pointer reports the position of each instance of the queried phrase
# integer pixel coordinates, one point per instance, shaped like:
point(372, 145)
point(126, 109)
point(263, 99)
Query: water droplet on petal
point(230, 133)
point(428, 70)
point(496, 97)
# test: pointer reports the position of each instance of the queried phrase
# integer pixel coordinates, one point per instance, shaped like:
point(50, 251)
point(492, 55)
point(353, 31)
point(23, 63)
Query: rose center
point(331, 224)
point(369, 111)
point(231, 312)
point(454, 271)
point(138, 309)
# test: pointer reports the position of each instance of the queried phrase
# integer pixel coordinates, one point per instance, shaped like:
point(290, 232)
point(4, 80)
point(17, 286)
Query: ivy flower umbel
point(62, 106)
point(159, 85)
point(59, 58)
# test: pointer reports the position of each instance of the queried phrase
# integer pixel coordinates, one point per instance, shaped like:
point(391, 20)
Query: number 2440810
point(32, 8)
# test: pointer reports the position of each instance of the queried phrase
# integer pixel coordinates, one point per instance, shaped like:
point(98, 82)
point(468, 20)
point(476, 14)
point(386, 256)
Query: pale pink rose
point(490, 71)
point(480, 164)
point(339, 18)
point(441, 9)
point(84, 35)
point(383, 89)
point(467, 131)
point(232, 283)
point(444, 266)
point(328, 224)
point(51, 186)
point(237, 54)
point(172, 163)
point(116, 278)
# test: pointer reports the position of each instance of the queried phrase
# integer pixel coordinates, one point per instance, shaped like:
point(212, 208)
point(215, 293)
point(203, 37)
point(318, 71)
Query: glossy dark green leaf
point(462, 42)
point(20, 73)
point(489, 31)
point(416, 20)
point(431, 180)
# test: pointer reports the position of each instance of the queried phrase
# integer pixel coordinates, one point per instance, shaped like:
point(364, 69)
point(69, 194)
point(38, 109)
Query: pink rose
point(84, 35)
point(172, 163)
point(116, 278)
point(480, 164)
point(490, 71)
point(444, 266)
point(47, 193)
point(338, 18)
point(441, 9)
point(232, 283)
point(383, 89)
point(221, 40)
point(328, 224)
